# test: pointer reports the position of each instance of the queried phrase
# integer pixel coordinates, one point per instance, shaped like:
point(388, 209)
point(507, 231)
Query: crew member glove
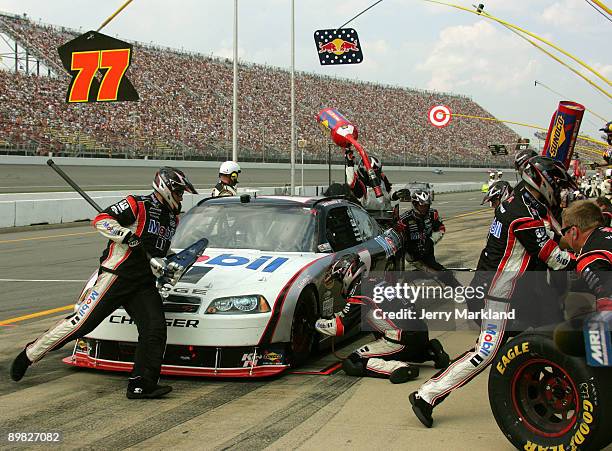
point(131, 239)
point(401, 194)
point(330, 327)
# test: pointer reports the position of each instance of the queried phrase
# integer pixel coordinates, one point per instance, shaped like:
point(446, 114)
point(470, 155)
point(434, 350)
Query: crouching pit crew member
point(398, 342)
point(139, 230)
point(517, 241)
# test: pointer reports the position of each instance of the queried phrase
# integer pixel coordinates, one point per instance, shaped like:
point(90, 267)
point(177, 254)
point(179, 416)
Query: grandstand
point(185, 111)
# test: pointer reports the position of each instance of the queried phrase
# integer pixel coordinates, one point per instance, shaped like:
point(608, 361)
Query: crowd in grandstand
point(185, 106)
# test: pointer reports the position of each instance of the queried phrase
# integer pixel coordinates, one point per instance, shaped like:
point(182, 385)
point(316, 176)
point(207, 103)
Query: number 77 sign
point(97, 64)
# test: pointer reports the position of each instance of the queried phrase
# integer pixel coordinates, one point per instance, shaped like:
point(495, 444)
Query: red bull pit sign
point(338, 46)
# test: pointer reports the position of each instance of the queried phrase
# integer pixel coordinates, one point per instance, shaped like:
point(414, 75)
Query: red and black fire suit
point(516, 243)
point(124, 279)
point(420, 234)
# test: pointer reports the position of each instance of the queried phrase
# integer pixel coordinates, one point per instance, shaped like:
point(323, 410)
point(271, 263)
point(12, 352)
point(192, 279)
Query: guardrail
point(60, 208)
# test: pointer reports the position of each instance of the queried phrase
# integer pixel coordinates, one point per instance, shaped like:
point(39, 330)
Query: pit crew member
point(359, 183)
point(228, 179)
point(398, 342)
point(421, 229)
point(517, 241)
point(498, 192)
point(139, 230)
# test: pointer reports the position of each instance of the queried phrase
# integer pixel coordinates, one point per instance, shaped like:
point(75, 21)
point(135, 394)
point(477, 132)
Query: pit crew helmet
point(521, 158)
point(170, 180)
point(375, 163)
point(548, 177)
point(500, 190)
point(231, 169)
point(348, 269)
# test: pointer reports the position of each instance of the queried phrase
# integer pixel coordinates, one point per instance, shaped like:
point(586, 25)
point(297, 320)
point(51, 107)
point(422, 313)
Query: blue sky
point(405, 42)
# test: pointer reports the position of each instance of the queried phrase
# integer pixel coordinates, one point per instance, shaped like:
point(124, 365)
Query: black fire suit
point(517, 241)
point(123, 279)
point(594, 263)
point(420, 234)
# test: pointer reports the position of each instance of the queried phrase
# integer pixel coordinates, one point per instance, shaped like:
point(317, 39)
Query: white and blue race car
point(247, 307)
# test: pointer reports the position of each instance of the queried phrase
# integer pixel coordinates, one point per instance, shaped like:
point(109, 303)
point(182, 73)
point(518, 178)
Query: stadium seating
point(185, 111)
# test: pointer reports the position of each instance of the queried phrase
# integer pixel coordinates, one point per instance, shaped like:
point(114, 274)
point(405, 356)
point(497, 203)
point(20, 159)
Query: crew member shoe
point(404, 374)
point(422, 409)
point(440, 357)
point(353, 368)
point(19, 366)
point(139, 388)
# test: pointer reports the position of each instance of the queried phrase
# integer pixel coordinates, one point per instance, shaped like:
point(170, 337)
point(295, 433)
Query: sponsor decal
point(597, 343)
point(93, 295)
point(488, 339)
point(120, 206)
point(496, 228)
point(387, 244)
point(511, 355)
point(266, 263)
point(170, 322)
point(324, 247)
point(272, 358)
point(250, 359)
point(558, 137)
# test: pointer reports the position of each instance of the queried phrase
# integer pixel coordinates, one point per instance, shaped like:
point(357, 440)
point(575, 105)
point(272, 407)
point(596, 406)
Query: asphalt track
point(42, 271)
point(25, 178)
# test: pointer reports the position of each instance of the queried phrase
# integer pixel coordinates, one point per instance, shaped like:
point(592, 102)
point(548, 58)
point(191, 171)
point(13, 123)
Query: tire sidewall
point(306, 301)
point(589, 428)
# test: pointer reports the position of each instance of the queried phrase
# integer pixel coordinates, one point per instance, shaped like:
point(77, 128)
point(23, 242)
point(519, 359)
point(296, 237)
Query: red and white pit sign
point(439, 116)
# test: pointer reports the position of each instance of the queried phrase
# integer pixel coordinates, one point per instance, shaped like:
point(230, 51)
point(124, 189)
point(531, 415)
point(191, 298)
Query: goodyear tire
point(303, 332)
point(544, 399)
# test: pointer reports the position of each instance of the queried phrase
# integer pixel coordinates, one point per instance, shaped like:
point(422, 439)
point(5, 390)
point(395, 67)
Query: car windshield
point(261, 226)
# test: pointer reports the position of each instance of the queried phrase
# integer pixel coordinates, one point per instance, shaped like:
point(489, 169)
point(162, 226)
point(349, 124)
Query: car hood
point(245, 271)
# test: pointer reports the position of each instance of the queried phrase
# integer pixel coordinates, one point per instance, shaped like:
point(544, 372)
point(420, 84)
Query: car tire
point(303, 332)
point(544, 399)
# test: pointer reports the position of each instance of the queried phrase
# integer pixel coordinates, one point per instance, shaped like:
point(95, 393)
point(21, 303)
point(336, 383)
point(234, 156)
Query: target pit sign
point(439, 116)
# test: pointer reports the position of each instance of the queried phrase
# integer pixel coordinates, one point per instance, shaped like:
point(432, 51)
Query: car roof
point(303, 201)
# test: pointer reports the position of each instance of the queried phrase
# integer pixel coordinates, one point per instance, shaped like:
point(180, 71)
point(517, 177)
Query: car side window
point(367, 227)
point(340, 229)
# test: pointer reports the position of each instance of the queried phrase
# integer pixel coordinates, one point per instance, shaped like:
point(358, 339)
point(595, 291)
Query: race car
point(247, 307)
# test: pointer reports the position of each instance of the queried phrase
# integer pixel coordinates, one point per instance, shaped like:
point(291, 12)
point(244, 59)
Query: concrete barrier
point(7, 214)
point(51, 208)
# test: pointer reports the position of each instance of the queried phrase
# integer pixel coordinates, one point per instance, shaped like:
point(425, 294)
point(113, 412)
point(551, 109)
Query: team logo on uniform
point(496, 228)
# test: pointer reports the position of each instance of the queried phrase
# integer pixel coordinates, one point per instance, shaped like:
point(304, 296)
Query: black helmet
point(420, 197)
point(521, 158)
point(347, 269)
point(374, 162)
point(171, 180)
point(499, 190)
point(548, 177)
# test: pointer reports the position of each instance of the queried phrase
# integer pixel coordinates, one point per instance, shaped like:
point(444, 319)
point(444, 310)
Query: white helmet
point(231, 169)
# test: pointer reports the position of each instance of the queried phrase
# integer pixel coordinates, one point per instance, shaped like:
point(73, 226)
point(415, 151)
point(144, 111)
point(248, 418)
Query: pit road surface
point(25, 178)
point(292, 411)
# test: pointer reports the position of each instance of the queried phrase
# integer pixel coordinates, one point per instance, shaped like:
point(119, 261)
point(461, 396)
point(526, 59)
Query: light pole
point(235, 90)
point(292, 97)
